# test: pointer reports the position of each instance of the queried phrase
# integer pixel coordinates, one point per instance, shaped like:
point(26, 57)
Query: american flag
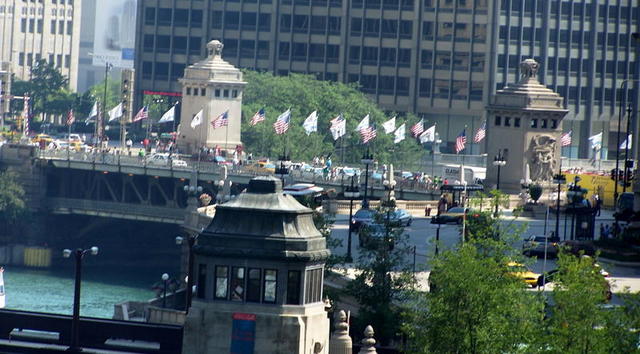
point(70, 117)
point(417, 128)
point(461, 140)
point(258, 117)
point(282, 123)
point(481, 133)
point(565, 139)
point(143, 113)
point(25, 114)
point(369, 133)
point(221, 121)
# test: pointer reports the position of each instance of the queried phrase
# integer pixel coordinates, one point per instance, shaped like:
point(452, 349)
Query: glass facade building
point(440, 59)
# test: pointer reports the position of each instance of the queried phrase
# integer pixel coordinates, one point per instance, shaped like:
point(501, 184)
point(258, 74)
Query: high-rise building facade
point(440, 59)
point(31, 30)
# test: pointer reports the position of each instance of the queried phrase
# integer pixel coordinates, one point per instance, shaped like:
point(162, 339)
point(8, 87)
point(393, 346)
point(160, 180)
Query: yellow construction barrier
point(602, 185)
point(37, 257)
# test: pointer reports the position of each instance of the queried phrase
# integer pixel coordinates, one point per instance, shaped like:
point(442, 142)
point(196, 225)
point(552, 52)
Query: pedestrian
point(602, 232)
point(597, 204)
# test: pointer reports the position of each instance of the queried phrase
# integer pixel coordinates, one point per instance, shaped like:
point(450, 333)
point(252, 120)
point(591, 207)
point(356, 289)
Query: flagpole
point(68, 138)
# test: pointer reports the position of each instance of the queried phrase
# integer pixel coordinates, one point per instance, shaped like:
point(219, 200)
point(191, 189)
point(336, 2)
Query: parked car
point(535, 245)
point(520, 271)
point(163, 160)
point(577, 247)
point(454, 215)
point(42, 137)
point(261, 167)
point(361, 217)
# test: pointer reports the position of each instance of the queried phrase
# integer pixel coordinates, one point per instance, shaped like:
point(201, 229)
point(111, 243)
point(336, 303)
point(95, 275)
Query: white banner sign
point(115, 28)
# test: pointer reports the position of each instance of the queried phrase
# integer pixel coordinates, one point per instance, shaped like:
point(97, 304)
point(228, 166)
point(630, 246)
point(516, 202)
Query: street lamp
point(389, 186)
point(283, 169)
point(367, 159)
point(498, 161)
point(559, 179)
point(574, 194)
point(165, 279)
point(351, 192)
point(75, 322)
point(191, 239)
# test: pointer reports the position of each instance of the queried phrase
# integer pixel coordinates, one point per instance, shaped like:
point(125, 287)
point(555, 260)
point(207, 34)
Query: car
point(163, 160)
point(550, 277)
point(536, 245)
point(519, 271)
point(400, 217)
point(454, 215)
point(371, 235)
point(577, 247)
point(261, 167)
point(361, 217)
point(42, 137)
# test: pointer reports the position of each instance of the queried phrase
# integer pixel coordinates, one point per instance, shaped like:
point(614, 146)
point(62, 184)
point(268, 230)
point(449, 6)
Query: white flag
point(168, 116)
point(92, 114)
point(596, 141)
point(364, 123)
point(429, 135)
point(399, 134)
point(197, 119)
point(115, 112)
point(310, 124)
point(389, 126)
point(629, 141)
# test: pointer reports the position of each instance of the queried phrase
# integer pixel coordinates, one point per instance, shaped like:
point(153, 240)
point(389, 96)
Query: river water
point(51, 290)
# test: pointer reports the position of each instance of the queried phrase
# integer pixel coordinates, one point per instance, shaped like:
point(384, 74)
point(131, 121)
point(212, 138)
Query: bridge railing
point(98, 206)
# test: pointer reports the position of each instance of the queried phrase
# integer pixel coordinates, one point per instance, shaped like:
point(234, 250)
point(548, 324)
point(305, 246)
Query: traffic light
point(615, 174)
point(127, 86)
point(5, 87)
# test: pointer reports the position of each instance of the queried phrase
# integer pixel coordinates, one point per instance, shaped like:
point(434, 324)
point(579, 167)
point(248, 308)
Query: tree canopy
point(304, 94)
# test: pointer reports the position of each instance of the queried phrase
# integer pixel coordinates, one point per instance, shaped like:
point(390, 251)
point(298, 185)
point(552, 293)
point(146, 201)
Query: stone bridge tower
point(213, 86)
point(258, 269)
point(524, 124)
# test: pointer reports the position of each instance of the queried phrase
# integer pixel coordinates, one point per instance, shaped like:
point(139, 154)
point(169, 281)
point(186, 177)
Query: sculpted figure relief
point(529, 69)
point(542, 160)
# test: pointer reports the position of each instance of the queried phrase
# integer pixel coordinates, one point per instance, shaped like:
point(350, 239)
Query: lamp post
point(283, 169)
point(351, 192)
point(165, 279)
point(367, 159)
point(78, 254)
point(498, 161)
point(191, 239)
point(389, 186)
point(574, 193)
point(559, 179)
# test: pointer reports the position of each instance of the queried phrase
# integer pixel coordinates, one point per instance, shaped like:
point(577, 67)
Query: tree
point(304, 94)
point(383, 280)
point(578, 322)
point(12, 204)
point(475, 306)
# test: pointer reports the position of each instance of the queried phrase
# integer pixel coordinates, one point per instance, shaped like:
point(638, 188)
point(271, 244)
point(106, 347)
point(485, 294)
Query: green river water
point(51, 290)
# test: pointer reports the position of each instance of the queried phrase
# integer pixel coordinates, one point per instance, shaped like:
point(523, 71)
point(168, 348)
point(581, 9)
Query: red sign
point(162, 93)
point(244, 316)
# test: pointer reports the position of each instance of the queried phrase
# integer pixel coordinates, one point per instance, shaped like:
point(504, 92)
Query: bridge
point(129, 187)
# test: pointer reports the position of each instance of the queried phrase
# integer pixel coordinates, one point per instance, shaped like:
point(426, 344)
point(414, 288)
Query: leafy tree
point(383, 281)
point(12, 204)
point(304, 94)
point(475, 306)
point(579, 323)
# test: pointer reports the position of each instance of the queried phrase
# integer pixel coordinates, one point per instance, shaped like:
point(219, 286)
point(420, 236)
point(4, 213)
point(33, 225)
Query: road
point(422, 235)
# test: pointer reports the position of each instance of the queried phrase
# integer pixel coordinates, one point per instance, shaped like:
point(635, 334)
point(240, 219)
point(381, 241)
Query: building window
point(69, 28)
point(53, 26)
point(222, 282)
point(516, 122)
point(253, 285)
point(425, 87)
point(293, 287)
point(67, 61)
point(188, 91)
point(217, 93)
point(534, 123)
point(225, 93)
point(203, 92)
point(554, 123)
point(544, 124)
point(237, 284)
point(202, 281)
point(498, 121)
point(195, 91)
point(507, 121)
point(60, 27)
point(313, 286)
point(234, 93)
point(270, 285)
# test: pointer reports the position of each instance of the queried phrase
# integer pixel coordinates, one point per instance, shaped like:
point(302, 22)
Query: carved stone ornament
point(215, 48)
point(542, 160)
point(529, 69)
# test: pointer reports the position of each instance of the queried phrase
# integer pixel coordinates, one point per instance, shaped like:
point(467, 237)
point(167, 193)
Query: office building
point(441, 59)
point(43, 29)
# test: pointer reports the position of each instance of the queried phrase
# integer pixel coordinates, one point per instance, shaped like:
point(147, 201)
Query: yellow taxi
point(42, 137)
point(262, 167)
point(521, 272)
